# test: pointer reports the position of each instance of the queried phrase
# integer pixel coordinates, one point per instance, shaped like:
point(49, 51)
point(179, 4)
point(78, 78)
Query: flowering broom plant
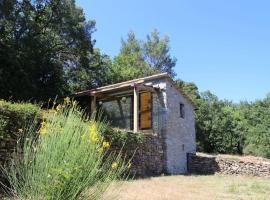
point(64, 158)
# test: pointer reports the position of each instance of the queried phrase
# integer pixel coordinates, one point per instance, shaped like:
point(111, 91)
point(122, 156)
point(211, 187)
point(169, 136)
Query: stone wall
point(180, 132)
point(147, 157)
point(229, 166)
point(7, 148)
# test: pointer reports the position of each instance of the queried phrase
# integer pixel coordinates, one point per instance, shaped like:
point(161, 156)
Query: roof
point(130, 83)
point(122, 84)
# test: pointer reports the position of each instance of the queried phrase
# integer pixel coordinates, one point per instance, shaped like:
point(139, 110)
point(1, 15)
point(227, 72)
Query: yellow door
point(145, 110)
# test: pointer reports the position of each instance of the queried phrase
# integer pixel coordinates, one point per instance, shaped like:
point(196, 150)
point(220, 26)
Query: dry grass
point(193, 188)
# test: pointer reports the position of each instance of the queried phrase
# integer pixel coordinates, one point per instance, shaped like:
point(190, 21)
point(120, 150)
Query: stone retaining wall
point(7, 148)
point(212, 164)
point(147, 157)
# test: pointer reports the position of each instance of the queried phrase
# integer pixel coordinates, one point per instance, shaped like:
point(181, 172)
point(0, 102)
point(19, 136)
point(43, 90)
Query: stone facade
point(180, 132)
point(7, 148)
point(147, 157)
point(212, 164)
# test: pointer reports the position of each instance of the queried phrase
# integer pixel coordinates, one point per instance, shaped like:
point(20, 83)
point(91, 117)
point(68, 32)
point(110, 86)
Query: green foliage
point(43, 45)
point(189, 89)
point(91, 76)
point(122, 138)
point(141, 58)
point(215, 127)
point(65, 160)
point(156, 53)
point(16, 116)
point(258, 133)
point(224, 127)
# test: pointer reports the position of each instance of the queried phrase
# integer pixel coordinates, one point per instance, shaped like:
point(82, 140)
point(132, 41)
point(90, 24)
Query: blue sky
point(221, 45)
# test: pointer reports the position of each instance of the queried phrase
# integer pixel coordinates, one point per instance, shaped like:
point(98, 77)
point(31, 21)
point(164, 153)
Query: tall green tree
point(258, 128)
point(93, 75)
point(156, 52)
point(129, 63)
point(42, 42)
point(189, 89)
point(215, 125)
point(138, 58)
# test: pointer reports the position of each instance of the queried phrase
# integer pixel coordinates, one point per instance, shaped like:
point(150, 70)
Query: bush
point(122, 138)
point(14, 116)
point(65, 160)
point(258, 141)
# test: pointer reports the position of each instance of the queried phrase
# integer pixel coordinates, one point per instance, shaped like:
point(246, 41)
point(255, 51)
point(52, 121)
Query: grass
point(194, 188)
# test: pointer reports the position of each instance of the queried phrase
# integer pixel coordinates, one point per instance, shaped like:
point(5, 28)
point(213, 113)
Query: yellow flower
point(83, 137)
point(20, 130)
point(43, 131)
point(105, 145)
point(100, 150)
point(43, 123)
point(52, 111)
point(74, 103)
point(67, 100)
point(61, 130)
point(58, 107)
point(114, 165)
point(43, 115)
point(93, 132)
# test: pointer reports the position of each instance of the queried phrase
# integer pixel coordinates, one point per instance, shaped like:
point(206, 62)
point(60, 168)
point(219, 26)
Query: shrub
point(258, 141)
point(14, 116)
point(122, 138)
point(65, 160)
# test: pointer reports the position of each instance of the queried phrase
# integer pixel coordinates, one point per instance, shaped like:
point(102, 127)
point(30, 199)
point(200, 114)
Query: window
point(182, 110)
point(118, 111)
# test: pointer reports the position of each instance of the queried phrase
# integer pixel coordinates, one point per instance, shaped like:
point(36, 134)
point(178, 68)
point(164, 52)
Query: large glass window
point(118, 112)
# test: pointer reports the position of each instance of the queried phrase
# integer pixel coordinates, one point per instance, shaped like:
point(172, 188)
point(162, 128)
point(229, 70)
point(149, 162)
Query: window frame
point(182, 110)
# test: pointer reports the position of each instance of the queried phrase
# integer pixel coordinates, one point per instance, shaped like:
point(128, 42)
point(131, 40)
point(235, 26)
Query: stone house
point(154, 106)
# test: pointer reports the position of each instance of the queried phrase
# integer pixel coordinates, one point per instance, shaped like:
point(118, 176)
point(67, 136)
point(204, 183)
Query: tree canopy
point(138, 58)
point(43, 45)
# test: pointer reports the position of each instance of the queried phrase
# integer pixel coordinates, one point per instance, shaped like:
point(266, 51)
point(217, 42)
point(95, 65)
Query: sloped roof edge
point(134, 81)
point(117, 85)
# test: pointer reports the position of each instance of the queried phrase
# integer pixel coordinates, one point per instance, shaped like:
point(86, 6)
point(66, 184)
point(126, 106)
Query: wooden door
point(145, 110)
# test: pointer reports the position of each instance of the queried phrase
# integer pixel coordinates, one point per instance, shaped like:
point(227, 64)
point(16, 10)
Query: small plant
point(63, 158)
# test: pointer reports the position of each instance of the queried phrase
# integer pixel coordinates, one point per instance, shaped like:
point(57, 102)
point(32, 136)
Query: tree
point(215, 125)
point(258, 130)
point(189, 89)
point(129, 63)
point(92, 75)
point(156, 53)
point(41, 43)
point(141, 58)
